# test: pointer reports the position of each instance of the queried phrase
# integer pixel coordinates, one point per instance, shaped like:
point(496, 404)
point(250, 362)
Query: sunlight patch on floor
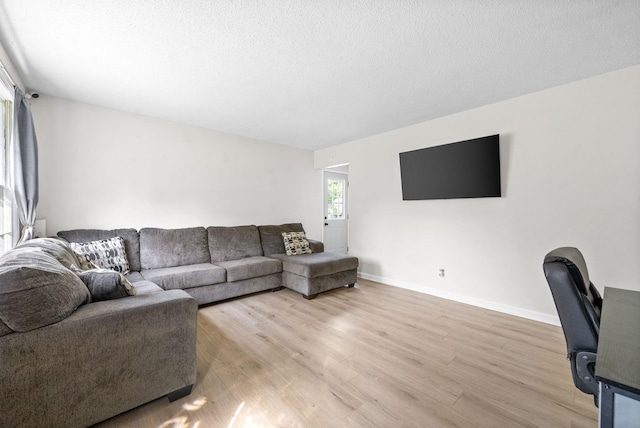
point(181, 420)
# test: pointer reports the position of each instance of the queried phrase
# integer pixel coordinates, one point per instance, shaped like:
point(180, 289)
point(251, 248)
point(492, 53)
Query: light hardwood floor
point(372, 356)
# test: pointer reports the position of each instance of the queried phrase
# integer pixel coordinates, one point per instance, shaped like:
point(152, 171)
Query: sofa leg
point(179, 393)
point(312, 296)
point(351, 285)
point(277, 289)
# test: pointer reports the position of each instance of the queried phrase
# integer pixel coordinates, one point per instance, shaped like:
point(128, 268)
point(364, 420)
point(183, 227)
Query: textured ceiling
point(311, 73)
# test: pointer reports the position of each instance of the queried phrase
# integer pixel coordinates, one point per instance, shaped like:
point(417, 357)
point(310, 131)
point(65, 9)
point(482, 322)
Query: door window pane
point(335, 198)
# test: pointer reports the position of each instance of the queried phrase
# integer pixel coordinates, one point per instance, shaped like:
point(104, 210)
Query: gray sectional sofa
point(219, 263)
point(73, 357)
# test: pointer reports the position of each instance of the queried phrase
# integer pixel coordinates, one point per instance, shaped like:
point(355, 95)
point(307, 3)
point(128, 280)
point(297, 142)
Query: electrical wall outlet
point(441, 273)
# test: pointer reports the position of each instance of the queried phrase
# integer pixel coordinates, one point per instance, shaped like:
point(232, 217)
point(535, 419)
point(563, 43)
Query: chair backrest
point(577, 301)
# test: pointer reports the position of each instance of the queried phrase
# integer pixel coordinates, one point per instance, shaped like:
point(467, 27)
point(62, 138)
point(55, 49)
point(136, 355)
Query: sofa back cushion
point(271, 237)
point(233, 243)
point(130, 236)
point(36, 290)
point(160, 248)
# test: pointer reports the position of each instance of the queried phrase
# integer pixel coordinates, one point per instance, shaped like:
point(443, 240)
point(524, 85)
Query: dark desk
point(618, 359)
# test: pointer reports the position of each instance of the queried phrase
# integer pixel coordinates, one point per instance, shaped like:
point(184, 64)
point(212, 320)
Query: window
point(335, 198)
point(7, 207)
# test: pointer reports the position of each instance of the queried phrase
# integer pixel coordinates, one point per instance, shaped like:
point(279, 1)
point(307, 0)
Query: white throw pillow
point(295, 243)
point(106, 254)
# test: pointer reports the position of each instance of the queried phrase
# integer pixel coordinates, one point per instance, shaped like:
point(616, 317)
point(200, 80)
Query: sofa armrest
point(105, 358)
point(316, 246)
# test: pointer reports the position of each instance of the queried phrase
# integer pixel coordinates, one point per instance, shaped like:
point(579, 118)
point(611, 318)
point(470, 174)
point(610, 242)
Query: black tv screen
point(466, 169)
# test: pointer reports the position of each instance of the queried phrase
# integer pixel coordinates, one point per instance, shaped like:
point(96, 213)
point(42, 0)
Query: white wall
point(6, 61)
point(570, 169)
point(103, 168)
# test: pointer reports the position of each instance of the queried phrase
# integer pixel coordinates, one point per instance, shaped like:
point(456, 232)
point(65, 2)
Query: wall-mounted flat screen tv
point(466, 169)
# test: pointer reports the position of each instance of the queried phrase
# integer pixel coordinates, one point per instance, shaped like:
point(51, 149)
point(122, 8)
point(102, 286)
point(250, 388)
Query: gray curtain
point(25, 158)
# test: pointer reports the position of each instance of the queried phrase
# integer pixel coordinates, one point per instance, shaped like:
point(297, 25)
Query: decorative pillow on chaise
point(295, 243)
point(106, 254)
point(106, 284)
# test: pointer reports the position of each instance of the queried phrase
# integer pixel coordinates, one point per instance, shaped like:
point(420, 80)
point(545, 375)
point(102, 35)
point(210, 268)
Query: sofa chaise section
point(308, 274)
point(311, 274)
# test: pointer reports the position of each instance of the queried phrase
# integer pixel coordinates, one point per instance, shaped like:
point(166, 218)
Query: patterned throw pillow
point(106, 254)
point(295, 243)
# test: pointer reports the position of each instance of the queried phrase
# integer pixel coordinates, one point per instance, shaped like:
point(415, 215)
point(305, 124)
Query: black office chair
point(578, 303)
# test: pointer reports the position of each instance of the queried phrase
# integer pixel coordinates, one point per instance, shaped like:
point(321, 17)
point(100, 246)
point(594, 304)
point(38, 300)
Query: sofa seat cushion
point(147, 287)
point(233, 243)
point(182, 277)
point(250, 267)
point(134, 277)
point(316, 264)
point(142, 285)
point(162, 248)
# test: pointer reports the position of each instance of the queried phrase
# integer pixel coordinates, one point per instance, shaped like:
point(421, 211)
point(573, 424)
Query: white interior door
point(335, 232)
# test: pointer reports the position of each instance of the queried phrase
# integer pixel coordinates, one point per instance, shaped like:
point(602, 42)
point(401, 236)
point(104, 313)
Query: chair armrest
point(584, 374)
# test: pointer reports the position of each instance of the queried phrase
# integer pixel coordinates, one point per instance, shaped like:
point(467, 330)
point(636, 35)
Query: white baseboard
point(494, 306)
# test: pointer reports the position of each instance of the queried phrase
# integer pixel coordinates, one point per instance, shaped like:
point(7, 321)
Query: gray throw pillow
point(104, 284)
point(36, 290)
